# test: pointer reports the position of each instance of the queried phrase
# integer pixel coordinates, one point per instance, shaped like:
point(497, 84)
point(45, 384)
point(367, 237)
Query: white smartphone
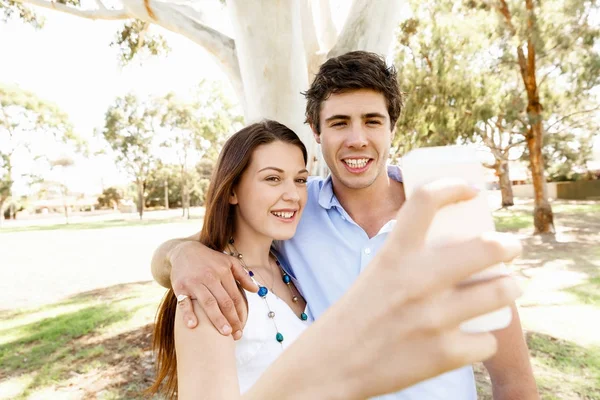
point(458, 221)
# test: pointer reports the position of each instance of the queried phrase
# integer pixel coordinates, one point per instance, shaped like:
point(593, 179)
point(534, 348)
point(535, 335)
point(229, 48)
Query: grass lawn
point(96, 343)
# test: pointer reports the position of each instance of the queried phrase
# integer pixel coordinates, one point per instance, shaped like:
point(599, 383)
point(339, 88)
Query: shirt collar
point(327, 198)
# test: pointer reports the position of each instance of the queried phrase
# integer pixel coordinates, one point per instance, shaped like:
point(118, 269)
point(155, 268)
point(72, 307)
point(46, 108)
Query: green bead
point(303, 316)
point(279, 337)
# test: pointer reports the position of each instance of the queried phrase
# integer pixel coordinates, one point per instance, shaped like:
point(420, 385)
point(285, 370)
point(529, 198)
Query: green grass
point(47, 346)
point(117, 223)
point(565, 367)
point(512, 221)
point(588, 293)
point(576, 208)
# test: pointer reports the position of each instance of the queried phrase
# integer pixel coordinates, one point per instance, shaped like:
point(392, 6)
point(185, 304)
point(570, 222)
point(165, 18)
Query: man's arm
point(510, 369)
point(161, 265)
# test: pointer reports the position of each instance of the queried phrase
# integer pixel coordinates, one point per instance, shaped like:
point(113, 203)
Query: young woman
point(256, 195)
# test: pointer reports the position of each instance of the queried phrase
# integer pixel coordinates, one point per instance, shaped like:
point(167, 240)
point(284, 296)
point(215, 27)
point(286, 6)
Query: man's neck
point(373, 206)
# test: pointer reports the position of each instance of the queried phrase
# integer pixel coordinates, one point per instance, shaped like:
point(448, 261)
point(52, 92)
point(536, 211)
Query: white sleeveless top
point(258, 347)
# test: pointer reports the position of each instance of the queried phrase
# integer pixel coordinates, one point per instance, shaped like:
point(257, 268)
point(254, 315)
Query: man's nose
point(357, 137)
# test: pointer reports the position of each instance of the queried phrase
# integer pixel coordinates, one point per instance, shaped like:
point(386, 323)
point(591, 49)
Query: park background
point(109, 130)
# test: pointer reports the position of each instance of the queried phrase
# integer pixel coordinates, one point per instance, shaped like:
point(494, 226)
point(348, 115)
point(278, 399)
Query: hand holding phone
point(459, 221)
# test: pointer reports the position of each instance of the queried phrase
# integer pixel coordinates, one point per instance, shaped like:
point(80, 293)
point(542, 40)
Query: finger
point(467, 348)
point(233, 291)
point(226, 306)
point(415, 216)
point(209, 304)
point(479, 298)
point(186, 309)
point(452, 263)
point(240, 275)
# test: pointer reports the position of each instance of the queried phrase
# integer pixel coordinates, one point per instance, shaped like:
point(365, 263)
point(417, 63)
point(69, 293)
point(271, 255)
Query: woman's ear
point(233, 198)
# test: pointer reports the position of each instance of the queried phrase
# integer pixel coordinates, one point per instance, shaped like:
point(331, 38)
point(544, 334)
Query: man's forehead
point(354, 103)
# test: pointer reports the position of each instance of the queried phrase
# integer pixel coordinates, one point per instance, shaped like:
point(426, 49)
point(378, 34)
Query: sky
point(69, 62)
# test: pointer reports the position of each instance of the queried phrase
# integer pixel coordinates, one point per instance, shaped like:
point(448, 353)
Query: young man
point(352, 107)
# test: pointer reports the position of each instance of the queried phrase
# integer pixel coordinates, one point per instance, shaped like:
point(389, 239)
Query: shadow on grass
point(66, 352)
point(563, 369)
point(99, 224)
point(567, 368)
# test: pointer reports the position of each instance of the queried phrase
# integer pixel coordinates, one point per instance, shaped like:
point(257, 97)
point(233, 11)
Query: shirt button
point(367, 251)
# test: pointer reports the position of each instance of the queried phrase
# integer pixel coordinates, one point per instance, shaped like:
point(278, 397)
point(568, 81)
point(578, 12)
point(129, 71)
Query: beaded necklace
point(263, 291)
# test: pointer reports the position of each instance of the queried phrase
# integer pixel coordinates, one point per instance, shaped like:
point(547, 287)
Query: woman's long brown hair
point(218, 227)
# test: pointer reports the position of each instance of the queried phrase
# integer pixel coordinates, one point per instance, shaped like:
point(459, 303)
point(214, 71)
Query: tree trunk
point(140, 206)
point(166, 194)
point(505, 184)
point(273, 67)
point(1, 212)
point(543, 218)
point(184, 199)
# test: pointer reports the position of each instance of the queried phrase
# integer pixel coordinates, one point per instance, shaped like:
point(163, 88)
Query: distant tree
point(61, 164)
point(110, 198)
point(192, 128)
point(28, 127)
point(130, 129)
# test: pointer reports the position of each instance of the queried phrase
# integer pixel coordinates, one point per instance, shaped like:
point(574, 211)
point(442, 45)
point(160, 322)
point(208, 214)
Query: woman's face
point(271, 193)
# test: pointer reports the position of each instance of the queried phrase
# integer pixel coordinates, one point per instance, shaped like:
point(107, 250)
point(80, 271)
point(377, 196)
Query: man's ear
point(233, 198)
point(316, 133)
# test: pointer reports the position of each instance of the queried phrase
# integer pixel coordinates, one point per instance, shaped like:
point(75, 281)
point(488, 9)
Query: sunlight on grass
point(589, 292)
point(42, 348)
point(565, 367)
point(512, 221)
point(576, 208)
point(118, 223)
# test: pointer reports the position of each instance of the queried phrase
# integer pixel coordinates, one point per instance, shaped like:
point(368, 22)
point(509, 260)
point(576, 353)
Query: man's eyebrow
point(273, 168)
point(337, 116)
point(373, 115)
point(302, 171)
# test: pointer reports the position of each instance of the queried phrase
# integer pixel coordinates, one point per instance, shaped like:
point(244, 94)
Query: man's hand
point(210, 277)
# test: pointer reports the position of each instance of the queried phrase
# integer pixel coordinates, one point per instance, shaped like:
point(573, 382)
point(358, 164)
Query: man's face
point(355, 137)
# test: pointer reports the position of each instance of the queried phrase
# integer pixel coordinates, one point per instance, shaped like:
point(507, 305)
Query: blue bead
point(250, 273)
point(303, 316)
point(262, 291)
point(279, 337)
point(287, 279)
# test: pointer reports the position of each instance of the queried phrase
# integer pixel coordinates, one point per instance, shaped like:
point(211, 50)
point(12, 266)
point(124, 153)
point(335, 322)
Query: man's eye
point(374, 122)
point(337, 124)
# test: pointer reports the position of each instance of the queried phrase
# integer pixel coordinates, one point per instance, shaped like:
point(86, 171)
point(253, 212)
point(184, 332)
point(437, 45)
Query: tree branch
point(99, 14)
point(368, 27)
point(309, 39)
point(326, 32)
point(186, 20)
point(570, 115)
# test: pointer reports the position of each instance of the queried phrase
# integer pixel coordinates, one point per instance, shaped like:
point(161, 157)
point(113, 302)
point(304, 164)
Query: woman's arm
point(206, 367)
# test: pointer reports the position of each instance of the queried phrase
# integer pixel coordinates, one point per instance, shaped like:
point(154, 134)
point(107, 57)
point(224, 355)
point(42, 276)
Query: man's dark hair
point(352, 71)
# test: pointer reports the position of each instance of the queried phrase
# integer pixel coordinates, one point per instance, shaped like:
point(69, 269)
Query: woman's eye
point(302, 180)
point(273, 179)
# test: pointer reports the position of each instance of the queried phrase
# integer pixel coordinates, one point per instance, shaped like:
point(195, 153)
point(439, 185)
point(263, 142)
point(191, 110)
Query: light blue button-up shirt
point(326, 255)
